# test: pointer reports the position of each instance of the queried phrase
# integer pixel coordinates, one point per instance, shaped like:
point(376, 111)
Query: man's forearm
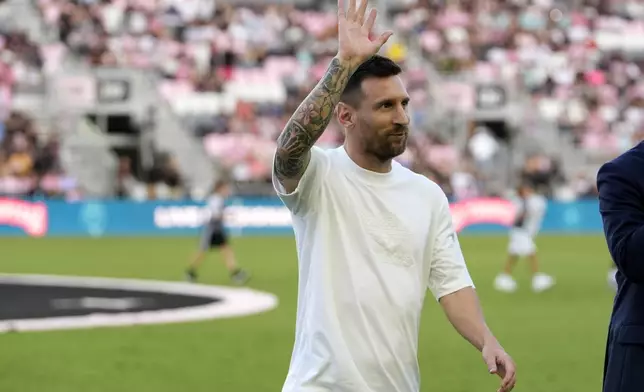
point(310, 120)
point(464, 312)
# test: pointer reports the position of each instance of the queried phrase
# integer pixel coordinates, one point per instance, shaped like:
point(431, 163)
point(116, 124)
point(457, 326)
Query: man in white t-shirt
point(371, 235)
point(531, 208)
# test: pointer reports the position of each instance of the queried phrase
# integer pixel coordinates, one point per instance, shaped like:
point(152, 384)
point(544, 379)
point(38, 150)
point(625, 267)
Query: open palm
point(354, 32)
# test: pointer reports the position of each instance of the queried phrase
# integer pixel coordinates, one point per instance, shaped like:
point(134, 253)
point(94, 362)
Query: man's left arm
point(463, 310)
point(451, 284)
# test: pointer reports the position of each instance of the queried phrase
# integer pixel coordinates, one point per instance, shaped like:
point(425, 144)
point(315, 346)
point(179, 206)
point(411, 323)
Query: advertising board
point(248, 216)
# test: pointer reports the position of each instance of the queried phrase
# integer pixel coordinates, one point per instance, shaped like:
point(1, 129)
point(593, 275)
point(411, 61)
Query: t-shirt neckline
point(368, 175)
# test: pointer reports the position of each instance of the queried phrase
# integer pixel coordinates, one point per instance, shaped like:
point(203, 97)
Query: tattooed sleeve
point(309, 122)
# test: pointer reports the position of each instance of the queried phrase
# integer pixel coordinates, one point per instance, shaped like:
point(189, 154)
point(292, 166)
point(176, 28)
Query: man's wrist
point(489, 339)
point(349, 63)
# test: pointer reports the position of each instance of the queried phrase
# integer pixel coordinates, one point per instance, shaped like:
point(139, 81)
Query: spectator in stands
point(233, 73)
point(572, 58)
point(164, 181)
point(541, 172)
point(126, 183)
point(30, 166)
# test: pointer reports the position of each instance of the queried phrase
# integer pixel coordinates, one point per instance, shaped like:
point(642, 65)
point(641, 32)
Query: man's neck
point(367, 161)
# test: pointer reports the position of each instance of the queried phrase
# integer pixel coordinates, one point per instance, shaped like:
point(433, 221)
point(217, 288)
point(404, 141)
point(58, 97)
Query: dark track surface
point(33, 301)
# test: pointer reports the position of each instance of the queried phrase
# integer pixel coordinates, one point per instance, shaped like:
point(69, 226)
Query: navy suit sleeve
point(620, 205)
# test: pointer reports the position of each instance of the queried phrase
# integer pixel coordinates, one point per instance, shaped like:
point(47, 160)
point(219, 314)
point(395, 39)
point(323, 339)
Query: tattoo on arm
point(309, 121)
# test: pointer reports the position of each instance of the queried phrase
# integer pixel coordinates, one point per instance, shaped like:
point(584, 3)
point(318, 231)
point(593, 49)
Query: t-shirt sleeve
point(447, 269)
point(307, 193)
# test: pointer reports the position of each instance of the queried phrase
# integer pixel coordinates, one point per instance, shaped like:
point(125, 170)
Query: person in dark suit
point(621, 204)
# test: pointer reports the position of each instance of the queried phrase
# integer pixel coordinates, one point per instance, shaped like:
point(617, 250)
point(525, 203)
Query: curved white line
point(236, 302)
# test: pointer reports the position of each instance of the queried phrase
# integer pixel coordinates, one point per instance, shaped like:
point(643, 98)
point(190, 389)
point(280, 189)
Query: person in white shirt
point(213, 236)
point(530, 210)
point(371, 235)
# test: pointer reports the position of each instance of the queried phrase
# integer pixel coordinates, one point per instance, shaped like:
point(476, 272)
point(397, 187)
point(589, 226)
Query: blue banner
point(245, 216)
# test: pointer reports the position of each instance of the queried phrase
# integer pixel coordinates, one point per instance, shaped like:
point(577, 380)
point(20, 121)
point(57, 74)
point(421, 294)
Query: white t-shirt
point(534, 207)
point(215, 205)
point(369, 245)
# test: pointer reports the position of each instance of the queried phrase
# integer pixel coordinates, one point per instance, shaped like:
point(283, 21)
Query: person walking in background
point(531, 209)
point(214, 236)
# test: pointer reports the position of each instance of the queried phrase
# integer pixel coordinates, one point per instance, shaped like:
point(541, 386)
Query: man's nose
point(402, 117)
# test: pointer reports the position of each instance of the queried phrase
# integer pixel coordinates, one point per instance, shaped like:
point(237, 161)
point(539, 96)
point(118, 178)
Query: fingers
point(361, 11)
point(351, 11)
point(382, 39)
point(509, 378)
point(367, 27)
point(490, 361)
point(353, 14)
point(371, 21)
point(507, 387)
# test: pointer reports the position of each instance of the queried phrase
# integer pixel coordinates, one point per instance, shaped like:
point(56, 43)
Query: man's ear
point(345, 115)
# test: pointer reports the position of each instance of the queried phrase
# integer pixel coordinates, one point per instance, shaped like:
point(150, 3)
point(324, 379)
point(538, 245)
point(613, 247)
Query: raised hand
point(354, 32)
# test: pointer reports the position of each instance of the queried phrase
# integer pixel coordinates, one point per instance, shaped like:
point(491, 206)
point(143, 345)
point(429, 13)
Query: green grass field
point(557, 338)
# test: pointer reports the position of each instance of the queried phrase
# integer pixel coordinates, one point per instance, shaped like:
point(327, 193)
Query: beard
point(387, 144)
point(389, 147)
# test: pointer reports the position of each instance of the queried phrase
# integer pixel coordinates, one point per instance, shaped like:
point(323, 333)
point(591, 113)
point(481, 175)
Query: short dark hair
point(375, 67)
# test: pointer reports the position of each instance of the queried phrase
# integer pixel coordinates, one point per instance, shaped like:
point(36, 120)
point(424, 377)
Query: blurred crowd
point(260, 61)
point(29, 163)
point(235, 74)
point(20, 65)
point(30, 166)
point(581, 61)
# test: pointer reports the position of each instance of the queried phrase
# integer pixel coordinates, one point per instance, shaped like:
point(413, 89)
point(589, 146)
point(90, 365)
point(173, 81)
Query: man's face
point(224, 190)
point(380, 120)
point(524, 191)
